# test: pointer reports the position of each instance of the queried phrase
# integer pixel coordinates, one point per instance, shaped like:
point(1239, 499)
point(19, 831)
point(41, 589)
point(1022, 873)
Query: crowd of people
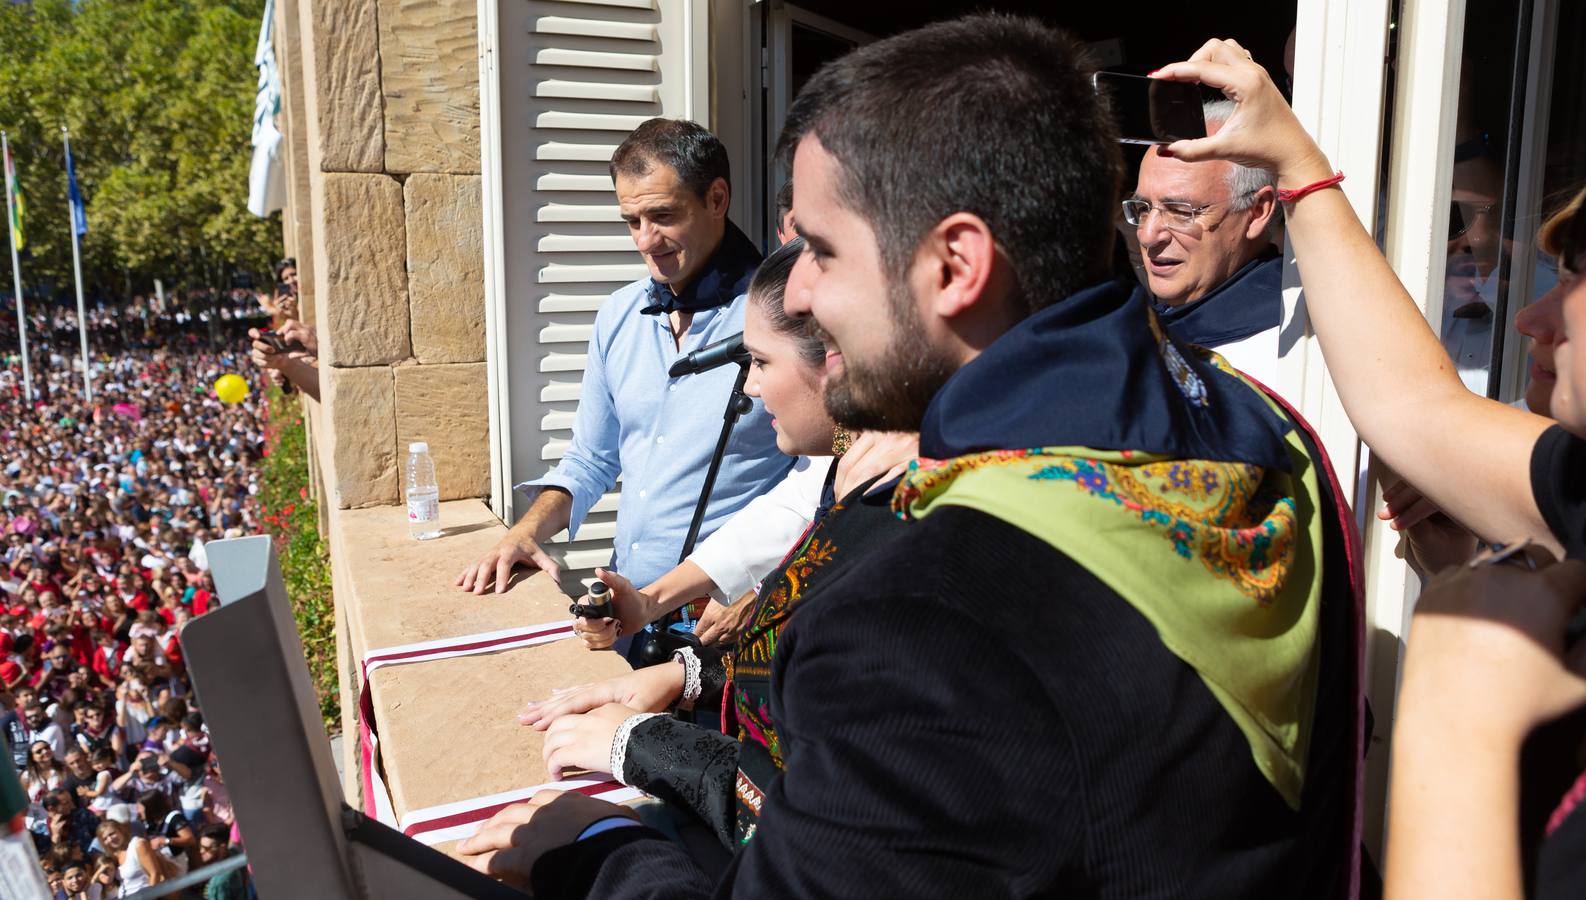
point(1021, 582)
point(107, 509)
point(182, 320)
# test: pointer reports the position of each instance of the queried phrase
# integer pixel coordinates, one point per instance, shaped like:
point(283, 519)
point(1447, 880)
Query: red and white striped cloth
point(466, 813)
point(455, 821)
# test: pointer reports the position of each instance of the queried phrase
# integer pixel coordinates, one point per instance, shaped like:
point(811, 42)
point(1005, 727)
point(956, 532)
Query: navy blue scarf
point(1249, 302)
point(724, 278)
point(1089, 371)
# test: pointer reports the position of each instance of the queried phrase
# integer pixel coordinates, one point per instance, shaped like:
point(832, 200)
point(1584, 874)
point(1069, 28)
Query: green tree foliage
point(159, 98)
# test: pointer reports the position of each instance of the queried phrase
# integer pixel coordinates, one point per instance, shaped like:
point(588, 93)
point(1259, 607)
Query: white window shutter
point(574, 77)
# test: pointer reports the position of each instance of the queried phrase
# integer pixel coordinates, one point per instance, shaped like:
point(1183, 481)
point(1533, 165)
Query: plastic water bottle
point(423, 494)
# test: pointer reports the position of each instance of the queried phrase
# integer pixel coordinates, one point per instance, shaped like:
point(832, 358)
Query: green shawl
point(1220, 557)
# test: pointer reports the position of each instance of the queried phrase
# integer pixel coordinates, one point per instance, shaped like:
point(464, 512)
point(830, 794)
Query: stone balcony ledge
point(448, 729)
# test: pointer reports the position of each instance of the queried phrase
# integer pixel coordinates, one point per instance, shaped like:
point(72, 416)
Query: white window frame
point(1340, 79)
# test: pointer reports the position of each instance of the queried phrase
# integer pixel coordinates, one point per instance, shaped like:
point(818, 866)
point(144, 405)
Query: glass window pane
point(1477, 239)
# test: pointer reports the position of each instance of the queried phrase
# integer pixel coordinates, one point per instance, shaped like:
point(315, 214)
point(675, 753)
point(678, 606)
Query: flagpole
point(16, 277)
point(77, 272)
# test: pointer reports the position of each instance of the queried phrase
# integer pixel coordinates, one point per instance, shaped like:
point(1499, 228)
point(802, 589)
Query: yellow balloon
point(231, 388)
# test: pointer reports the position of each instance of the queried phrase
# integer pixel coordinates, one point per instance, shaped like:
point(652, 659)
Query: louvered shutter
point(574, 79)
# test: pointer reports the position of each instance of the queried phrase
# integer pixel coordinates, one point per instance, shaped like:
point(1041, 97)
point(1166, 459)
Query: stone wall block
point(429, 65)
point(297, 220)
point(365, 307)
point(360, 424)
point(445, 261)
point(447, 406)
point(346, 61)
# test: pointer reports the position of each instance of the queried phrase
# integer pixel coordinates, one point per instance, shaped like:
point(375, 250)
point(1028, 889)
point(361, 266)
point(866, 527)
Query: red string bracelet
point(1297, 193)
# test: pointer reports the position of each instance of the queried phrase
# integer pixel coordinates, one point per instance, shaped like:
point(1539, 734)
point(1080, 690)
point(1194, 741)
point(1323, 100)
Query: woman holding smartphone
point(1488, 657)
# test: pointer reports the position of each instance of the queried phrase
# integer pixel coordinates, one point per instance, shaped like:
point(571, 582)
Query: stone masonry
point(388, 127)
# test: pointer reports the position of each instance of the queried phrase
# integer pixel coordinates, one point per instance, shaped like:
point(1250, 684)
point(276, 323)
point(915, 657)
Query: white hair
point(1243, 181)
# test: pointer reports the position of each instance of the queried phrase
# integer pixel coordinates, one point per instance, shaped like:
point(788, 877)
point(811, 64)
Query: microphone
point(711, 356)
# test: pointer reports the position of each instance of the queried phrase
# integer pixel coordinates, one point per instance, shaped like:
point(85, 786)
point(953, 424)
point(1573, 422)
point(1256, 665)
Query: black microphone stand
point(738, 404)
point(662, 641)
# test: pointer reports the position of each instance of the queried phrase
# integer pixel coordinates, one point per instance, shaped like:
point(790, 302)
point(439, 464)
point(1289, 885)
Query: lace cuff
point(619, 743)
point(691, 667)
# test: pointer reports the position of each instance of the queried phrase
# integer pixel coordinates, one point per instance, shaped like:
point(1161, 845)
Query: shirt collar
point(1248, 303)
point(724, 277)
point(1096, 370)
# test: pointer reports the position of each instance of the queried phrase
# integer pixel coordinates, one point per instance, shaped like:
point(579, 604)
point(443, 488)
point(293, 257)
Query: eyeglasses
point(1176, 215)
point(1462, 215)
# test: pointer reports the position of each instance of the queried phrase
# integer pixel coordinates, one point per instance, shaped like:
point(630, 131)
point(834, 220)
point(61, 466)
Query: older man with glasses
point(1206, 246)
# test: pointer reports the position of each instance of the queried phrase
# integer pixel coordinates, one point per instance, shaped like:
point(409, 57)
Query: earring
point(841, 441)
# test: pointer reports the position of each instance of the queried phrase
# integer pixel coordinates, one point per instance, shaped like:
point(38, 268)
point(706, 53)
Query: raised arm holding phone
point(1489, 656)
point(1397, 383)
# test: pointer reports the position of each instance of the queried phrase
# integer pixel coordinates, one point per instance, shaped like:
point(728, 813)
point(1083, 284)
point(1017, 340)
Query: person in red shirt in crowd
point(11, 674)
point(26, 598)
point(203, 601)
point(30, 575)
point(106, 661)
point(83, 622)
point(50, 609)
point(130, 588)
point(117, 619)
point(180, 616)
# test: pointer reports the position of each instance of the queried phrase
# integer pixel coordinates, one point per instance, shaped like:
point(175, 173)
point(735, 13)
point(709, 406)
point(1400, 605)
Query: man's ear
point(1262, 208)
point(957, 258)
point(717, 197)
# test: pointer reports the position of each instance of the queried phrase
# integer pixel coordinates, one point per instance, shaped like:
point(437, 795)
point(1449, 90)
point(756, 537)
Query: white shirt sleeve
point(749, 545)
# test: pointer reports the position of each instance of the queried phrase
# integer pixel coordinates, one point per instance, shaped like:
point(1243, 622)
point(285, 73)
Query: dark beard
point(892, 395)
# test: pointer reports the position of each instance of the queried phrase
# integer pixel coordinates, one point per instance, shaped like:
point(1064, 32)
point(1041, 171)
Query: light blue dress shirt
point(659, 432)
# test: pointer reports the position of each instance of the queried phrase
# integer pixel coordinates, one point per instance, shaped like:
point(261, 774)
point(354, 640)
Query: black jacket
point(971, 713)
point(974, 715)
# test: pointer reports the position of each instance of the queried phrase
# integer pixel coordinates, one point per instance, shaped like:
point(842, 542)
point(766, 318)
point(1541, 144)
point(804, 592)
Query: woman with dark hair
point(44, 773)
point(710, 781)
point(1491, 654)
point(168, 829)
point(729, 564)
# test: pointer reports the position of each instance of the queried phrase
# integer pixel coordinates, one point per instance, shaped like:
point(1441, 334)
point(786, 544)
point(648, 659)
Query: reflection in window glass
point(1477, 243)
point(1499, 198)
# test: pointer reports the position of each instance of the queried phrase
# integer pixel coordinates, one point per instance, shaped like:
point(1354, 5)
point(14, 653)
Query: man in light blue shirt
point(658, 432)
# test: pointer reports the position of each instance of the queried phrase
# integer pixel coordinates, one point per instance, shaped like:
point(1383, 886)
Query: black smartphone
point(279, 344)
point(1152, 111)
point(274, 340)
point(282, 288)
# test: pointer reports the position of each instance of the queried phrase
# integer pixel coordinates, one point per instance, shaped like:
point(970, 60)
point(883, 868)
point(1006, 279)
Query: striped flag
point(14, 195)
point(79, 212)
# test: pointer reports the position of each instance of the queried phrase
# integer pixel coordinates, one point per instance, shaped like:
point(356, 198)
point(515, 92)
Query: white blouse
point(748, 546)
